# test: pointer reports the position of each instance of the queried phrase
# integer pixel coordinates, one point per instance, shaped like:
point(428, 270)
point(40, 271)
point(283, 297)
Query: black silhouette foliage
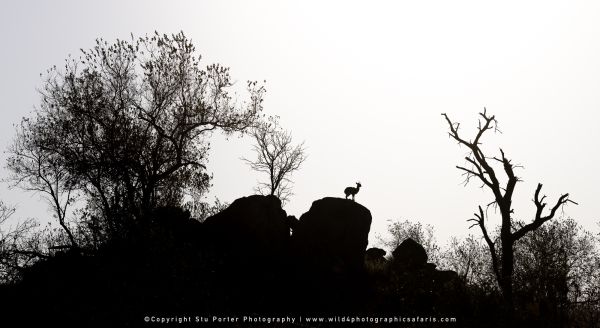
point(125, 127)
point(399, 231)
point(118, 147)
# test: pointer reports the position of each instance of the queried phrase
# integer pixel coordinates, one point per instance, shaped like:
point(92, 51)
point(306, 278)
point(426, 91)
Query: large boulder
point(328, 245)
point(333, 234)
point(247, 246)
point(375, 262)
point(375, 254)
point(409, 255)
point(417, 286)
point(250, 228)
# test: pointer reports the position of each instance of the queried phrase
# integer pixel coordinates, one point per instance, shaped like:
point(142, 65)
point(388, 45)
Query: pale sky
point(363, 84)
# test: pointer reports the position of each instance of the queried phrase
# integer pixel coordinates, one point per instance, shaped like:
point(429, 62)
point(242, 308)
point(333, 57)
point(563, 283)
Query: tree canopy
point(126, 126)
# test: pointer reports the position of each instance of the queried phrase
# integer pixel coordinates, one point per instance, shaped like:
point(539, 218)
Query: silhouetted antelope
point(352, 191)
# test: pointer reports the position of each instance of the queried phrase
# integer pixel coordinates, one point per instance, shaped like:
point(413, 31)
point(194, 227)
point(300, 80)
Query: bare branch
point(485, 172)
point(503, 195)
point(276, 156)
point(479, 221)
point(539, 218)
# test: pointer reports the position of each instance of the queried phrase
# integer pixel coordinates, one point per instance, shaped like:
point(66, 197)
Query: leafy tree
point(480, 167)
point(276, 156)
point(6, 211)
point(556, 270)
point(20, 244)
point(398, 231)
point(126, 128)
point(37, 169)
point(201, 210)
point(468, 258)
point(6, 239)
point(556, 273)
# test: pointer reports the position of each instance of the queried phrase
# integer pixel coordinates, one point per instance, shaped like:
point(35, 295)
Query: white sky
point(363, 84)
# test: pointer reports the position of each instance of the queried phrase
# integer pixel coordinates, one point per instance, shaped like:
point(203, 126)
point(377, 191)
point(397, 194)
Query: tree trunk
point(507, 274)
point(506, 283)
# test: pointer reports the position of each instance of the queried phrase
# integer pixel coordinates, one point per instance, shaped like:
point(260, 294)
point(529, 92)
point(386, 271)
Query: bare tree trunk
point(506, 283)
point(507, 268)
point(481, 169)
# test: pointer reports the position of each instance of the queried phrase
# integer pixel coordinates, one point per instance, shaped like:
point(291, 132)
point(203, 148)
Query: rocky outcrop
point(241, 260)
point(333, 235)
point(375, 254)
point(250, 228)
point(328, 249)
point(413, 284)
point(375, 263)
point(247, 246)
point(409, 255)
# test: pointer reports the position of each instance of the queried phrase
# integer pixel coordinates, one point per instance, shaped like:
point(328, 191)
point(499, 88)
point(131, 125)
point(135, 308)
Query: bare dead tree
point(481, 168)
point(278, 157)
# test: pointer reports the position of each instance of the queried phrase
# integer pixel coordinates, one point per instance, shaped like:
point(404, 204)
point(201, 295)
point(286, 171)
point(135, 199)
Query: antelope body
point(352, 191)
